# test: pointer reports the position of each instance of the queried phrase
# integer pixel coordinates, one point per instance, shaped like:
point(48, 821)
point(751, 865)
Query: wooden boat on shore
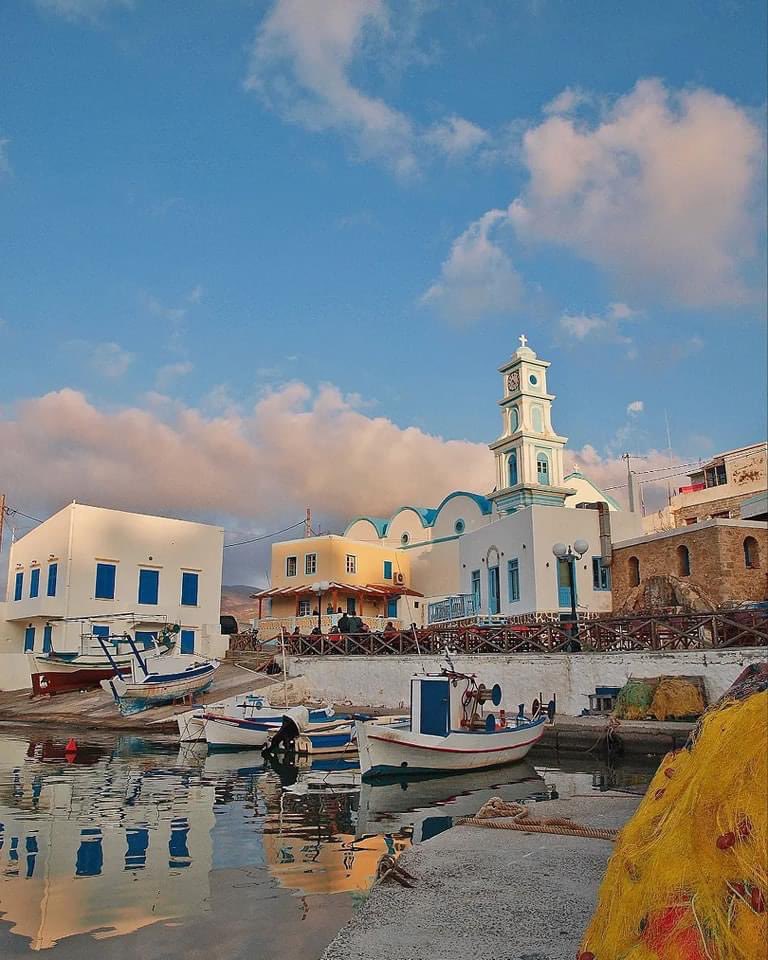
point(449, 730)
point(63, 672)
point(310, 731)
point(153, 682)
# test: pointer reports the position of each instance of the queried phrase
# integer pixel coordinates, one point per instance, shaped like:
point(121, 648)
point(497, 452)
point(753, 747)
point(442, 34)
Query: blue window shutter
point(99, 631)
point(53, 572)
point(189, 589)
point(105, 581)
point(145, 638)
point(19, 586)
point(149, 582)
point(34, 582)
point(387, 569)
point(47, 639)
point(29, 639)
point(187, 641)
point(513, 578)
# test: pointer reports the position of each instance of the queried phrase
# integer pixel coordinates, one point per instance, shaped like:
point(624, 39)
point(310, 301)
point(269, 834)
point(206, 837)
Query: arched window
point(514, 419)
point(683, 561)
point(537, 419)
point(634, 572)
point(751, 553)
point(512, 464)
point(542, 468)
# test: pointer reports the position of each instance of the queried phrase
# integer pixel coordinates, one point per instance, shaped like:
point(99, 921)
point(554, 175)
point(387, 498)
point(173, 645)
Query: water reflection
point(128, 836)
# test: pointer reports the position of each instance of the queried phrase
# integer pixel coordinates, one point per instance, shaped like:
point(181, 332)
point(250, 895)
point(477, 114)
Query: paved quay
point(490, 894)
point(95, 710)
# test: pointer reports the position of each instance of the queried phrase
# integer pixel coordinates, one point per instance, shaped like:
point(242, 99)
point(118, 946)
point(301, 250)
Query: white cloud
point(300, 65)
point(580, 325)
point(108, 359)
point(649, 192)
point(635, 407)
point(600, 327)
point(302, 62)
point(88, 10)
point(171, 371)
point(251, 464)
point(478, 277)
point(456, 137)
point(567, 101)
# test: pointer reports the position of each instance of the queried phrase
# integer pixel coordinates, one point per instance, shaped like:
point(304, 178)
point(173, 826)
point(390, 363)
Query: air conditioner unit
point(400, 578)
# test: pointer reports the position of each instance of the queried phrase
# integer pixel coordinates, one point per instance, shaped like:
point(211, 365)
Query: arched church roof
point(427, 515)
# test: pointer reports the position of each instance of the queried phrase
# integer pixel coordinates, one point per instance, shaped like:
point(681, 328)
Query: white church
point(538, 543)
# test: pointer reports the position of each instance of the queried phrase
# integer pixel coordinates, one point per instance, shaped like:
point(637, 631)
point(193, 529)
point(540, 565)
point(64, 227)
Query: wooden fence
point(729, 628)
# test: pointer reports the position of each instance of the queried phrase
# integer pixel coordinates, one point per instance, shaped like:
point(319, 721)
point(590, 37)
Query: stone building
point(718, 487)
point(714, 563)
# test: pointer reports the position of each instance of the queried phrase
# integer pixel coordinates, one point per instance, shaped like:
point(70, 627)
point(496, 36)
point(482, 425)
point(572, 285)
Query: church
point(539, 543)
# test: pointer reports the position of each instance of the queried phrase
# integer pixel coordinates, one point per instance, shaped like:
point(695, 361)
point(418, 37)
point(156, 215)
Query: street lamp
point(319, 589)
point(570, 554)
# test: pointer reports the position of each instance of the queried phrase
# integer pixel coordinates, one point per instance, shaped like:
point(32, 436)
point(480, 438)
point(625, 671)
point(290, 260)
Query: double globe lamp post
point(570, 554)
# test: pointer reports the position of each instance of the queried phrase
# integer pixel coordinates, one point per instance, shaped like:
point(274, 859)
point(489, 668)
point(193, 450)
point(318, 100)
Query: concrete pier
point(490, 894)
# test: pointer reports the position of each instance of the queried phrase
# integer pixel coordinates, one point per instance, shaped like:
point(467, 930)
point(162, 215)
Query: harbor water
point(130, 847)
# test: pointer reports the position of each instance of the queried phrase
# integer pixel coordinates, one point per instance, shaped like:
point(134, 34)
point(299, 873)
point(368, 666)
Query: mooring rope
point(497, 814)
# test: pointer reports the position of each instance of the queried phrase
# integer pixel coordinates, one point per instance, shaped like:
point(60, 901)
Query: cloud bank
point(659, 191)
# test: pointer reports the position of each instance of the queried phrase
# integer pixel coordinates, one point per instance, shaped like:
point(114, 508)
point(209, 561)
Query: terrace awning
point(352, 589)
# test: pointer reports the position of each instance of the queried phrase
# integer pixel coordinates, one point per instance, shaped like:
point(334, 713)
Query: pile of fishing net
point(661, 698)
point(689, 877)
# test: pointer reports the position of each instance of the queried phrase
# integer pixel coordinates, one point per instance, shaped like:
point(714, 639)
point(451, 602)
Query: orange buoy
point(71, 746)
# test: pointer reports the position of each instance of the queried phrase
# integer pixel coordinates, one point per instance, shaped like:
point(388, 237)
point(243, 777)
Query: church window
point(683, 561)
point(514, 419)
point(634, 572)
point(542, 469)
point(512, 462)
point(533, 379)
point(459, 526)
point(405, 539)
point(537, 419)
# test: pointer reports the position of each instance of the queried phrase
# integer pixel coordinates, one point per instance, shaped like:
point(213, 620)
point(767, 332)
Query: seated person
point(389, 631)
point(345, 624)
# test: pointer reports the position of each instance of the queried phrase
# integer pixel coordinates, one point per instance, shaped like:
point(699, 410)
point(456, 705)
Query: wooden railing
point(734, 628)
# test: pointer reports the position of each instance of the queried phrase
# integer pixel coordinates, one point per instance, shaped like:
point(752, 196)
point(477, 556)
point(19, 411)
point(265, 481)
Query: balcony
point(457, 607)
point(30, 608)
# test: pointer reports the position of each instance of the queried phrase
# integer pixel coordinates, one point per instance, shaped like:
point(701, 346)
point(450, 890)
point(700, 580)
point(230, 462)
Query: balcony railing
point(457, 607)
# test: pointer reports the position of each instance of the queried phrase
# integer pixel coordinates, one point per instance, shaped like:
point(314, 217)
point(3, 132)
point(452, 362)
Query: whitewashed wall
point(384, 681)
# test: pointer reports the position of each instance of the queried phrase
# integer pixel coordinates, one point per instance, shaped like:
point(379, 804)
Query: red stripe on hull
point(423, 746)
point(51, 683)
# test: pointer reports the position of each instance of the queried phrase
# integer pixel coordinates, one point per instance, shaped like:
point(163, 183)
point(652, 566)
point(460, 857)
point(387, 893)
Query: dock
point(95, 710)
point(488, 894)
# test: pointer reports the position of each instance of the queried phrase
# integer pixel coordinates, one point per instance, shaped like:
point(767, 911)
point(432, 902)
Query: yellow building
point(329, 575)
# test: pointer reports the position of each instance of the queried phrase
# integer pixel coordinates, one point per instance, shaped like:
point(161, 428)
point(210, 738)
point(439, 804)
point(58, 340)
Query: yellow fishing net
point(676, 698)
point(689, 876)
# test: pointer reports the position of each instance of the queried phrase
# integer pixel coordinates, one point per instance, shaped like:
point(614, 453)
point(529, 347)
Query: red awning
point(355, 589)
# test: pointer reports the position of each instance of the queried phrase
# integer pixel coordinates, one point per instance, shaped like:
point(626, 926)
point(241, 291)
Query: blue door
point(47, 640)
point(565, 571)
point(187, 641)
point(434, 707)
point(392, 607)
point(29, 640)
point(493, 590)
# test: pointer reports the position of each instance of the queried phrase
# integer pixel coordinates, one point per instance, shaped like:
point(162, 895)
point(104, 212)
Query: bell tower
point(529, 454)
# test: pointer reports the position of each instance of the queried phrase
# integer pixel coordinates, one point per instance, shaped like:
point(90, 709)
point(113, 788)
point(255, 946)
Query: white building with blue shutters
point(89, 571)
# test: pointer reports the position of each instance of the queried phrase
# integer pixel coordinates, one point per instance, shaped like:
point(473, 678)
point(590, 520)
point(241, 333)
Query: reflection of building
point(310, 846)
point(96, 564)
point(104, 849)
point(694, 568)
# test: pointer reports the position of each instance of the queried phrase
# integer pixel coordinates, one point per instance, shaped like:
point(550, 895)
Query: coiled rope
point(497, 814)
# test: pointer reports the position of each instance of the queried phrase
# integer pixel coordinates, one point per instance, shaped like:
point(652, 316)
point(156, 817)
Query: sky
point(259, 256)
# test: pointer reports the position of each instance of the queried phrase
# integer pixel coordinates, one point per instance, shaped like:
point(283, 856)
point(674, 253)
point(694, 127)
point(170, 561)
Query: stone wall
point(718, 573)
point(385, 681)
point(705, 510)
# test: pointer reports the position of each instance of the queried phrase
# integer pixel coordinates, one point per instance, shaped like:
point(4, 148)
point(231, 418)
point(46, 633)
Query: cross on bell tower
point(529, 454)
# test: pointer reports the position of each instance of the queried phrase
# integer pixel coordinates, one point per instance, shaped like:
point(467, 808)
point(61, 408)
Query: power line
point(266, 536)
point(18, 513)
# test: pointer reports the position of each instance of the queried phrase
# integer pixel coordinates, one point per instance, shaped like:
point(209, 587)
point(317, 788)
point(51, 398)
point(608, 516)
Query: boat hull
point(396, 750)
point(51, 675)
point(228, 733)
point(135, 697)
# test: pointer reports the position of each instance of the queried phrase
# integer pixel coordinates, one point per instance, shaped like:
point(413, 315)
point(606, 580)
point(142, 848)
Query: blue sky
point(210, 210)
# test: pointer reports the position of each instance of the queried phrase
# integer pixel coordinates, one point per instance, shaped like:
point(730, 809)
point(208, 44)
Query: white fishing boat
point(191, 723)
point(450, 729)
point(153, 682)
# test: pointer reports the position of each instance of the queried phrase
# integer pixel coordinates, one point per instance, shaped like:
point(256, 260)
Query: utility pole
point(2, 518)
point(630, 482)
point(308, 523)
